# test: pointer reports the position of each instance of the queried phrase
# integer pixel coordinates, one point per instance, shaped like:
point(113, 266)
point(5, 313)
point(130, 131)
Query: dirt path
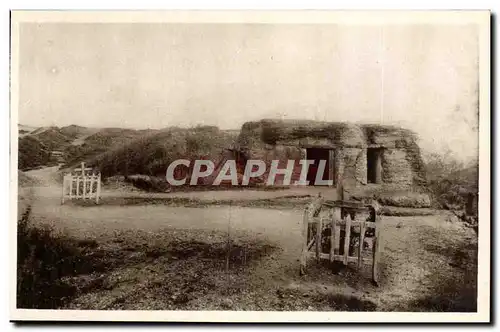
point(428, 262)
point(50, 186)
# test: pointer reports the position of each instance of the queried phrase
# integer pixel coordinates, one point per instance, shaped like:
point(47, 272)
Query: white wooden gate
point(83, 184)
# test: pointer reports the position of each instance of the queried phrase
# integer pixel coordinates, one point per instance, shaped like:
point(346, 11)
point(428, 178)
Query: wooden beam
point(361, 240)
point(77, 187)
point(91, 186)
point(350, 259)
point(332, 236)
point(347, 241)
point(84, 179)
point(367, 224)
point(310, 244)
point(319, 228)
point(71, 178)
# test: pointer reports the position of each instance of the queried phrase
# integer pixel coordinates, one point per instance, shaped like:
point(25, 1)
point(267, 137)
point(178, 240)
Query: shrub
point(150, 155)
point(32, 153)
point(43, 258)
point(450, 181)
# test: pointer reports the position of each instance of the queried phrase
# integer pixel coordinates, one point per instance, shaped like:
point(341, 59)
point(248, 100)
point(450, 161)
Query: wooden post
point(305, 228)
point(98, 189)
point(70, 186)
point(91, 186)
point(376, 252)
point(319, 227)
point(332, 236)
point(361, 240)
point(347, 240)
point(77, 186)
point(84, 186)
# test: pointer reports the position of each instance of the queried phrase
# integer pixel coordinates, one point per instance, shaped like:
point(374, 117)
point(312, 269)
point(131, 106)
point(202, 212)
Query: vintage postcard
point(250, 166)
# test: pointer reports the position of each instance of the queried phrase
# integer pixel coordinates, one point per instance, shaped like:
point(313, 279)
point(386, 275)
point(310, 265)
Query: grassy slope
point(151, 154)
point(32, 153)
point(100, 142)
point(35, 146)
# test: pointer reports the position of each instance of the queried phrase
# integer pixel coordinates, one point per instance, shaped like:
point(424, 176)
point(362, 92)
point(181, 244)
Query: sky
point(141, 75)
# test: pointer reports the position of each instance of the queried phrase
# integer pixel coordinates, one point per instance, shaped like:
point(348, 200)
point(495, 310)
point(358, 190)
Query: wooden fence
point(337, 233)
point(84, 184)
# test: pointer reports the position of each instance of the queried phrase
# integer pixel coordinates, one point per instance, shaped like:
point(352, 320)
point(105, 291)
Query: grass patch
point(170, 268)
point(44, 258)
point(454, 285)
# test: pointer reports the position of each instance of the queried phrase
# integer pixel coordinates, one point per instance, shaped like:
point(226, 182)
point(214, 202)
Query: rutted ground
point(164, 257)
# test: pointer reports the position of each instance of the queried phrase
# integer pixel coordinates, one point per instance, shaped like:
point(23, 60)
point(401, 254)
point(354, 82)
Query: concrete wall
point(351, 166)
point(395, 168)
point(282, 153)
point(401, 162)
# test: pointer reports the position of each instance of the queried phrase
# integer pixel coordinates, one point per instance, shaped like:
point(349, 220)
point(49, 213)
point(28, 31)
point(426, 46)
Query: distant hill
point(52, 138)
point(151, 154)
point(100, 142)
point(24, 130)
point(116, 150)
point(74, 131)
point(32, 153)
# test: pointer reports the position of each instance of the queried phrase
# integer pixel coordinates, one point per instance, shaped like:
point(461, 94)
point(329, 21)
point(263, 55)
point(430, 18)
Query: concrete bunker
point(364, 158)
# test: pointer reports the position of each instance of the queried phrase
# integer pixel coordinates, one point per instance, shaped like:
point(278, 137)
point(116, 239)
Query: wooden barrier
point(82, 185)
point(344, 229)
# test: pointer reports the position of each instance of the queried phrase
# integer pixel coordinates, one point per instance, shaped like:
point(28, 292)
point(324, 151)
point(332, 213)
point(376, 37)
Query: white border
point(482, 18)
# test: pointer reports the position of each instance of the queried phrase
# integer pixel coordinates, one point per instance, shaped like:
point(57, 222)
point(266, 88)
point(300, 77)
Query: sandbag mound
point(390, 195)
point(407, 199)
point(148, 183)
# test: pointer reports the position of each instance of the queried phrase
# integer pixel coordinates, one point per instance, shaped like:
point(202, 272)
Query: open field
point(156, 256)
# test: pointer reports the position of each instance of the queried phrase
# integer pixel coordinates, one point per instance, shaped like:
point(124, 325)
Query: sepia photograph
point(250, 166)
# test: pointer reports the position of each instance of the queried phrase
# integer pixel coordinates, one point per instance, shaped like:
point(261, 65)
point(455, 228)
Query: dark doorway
point(317, 155)
point(373, 165)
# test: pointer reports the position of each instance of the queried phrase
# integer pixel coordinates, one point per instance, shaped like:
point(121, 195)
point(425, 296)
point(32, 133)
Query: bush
point(450, 181)
point(32, 153)
point(150, 155)
point(43, 259)
point(24, 180)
